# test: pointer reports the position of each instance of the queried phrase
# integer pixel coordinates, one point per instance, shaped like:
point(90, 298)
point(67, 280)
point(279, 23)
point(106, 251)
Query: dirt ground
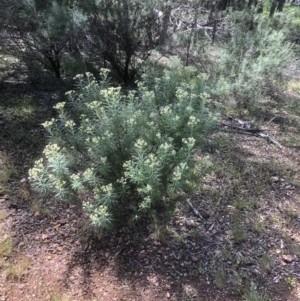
point(236, 238)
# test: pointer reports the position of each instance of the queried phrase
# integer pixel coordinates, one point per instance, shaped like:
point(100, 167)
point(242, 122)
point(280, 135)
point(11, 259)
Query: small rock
point(168, 295)
point(194, 258)
point(153, 280)
point(274, 179)
point(36, 214)
point(6, 197)
point(44, 236)
point(218, 252)
point(57, 226)
point(59, 249)
point(190, 223)
point(296, 237)
point(73, 229)
point(287, 258)
point(23, 180)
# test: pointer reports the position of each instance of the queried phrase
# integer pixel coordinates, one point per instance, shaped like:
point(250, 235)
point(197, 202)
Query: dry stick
point(251, 130)
point(255, 132)
point(194, 209)
point(271, 139)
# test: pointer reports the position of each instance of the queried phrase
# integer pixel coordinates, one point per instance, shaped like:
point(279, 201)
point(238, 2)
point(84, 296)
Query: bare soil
point(243, 245)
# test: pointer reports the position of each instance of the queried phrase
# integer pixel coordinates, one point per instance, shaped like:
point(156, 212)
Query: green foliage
point(122, 33)
point(41, 33)
point(124, 154)
point(254, 296)
point(252, 61)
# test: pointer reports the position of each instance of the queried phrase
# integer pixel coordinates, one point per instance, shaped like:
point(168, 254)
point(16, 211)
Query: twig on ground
point(250, 131)
point(194, 209)
point(239, 128)
point(269, 138)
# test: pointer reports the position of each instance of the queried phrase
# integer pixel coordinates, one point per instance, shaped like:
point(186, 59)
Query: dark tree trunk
point(276, 5)
point(252, 3)
point(280, 5)
point(223, 4)
point(273, 8)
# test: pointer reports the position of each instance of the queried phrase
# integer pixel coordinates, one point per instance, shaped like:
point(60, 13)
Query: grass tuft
point(6, 247)
point(266, 263)
point(16, 272)
point(59, 297)
point(254, 296)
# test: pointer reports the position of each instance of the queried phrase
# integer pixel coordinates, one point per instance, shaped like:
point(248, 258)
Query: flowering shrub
point(123, 154)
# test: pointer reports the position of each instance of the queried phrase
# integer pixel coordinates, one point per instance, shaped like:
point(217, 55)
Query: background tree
point(122, 33)
point(40, 33)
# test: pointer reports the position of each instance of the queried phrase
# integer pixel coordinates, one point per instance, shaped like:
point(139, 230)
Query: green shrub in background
point(252, 62)
point(124, 154)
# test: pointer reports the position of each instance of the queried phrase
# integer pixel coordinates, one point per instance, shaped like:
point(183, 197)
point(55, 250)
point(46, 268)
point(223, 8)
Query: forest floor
point(243, 244)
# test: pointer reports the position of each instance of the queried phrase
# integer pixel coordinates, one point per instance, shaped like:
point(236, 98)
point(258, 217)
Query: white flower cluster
point(166, 110)
point(88, 174)
point(110, 92)
point(166, 146)
point(189, 142)
point(51, 149)
point(131, 121)
point(94, 105)
point(75, 177)
point(181, 94)
point(179, 170)
point(140, 144)
point(48, 124)
point(70, 124)
point(70, 93)
point(34, 173)
point(59, 185)
point(60, 105)
point(96, 214)
point(107, 189)
point(145, 190)
point(152, 161)
point(78, 77)
point(95, 140)
point(104, 71)
point(193, 121)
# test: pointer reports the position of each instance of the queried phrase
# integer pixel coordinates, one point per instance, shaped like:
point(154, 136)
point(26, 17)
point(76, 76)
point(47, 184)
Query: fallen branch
point(239, 128)
point(269, 138)
point(194, 209)
point(250, 131)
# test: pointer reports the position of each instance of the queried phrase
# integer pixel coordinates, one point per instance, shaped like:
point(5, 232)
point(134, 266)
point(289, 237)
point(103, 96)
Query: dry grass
point(37, 205)
point(15, 272)
point(3, 214)
point(7, 170)
point(6, 247)
point(59, 297)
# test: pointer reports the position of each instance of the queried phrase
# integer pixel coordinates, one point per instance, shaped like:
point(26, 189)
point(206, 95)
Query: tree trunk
point(165, 24)
point(273, 8)
point(223, 4)
point(252, 3)
point(280, 5)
